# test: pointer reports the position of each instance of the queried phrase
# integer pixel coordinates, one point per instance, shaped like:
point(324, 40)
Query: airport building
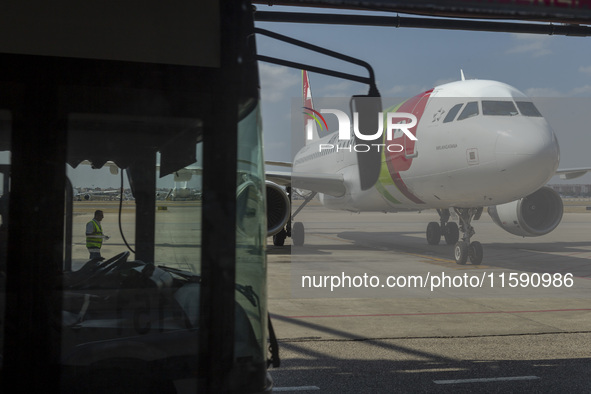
point(572, 190)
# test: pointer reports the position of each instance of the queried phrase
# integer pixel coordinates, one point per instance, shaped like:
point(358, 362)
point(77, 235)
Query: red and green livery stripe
point(393, 163)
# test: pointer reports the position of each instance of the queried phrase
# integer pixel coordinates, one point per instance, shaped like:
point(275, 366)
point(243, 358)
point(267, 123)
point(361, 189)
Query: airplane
point(181, 192)
point(89, 195)
point(475, 144)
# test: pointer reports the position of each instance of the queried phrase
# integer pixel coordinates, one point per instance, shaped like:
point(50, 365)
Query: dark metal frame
point(423, 23)
point(40, 92)
point(567, 11)
point(370, 80)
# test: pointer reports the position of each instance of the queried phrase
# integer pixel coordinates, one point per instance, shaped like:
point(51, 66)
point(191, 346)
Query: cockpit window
point(452, 113)
point(469, 111)
point(499, 108)
point(527, 108)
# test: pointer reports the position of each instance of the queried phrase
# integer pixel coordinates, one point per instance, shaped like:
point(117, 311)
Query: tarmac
point(519, 322)
point(367, 306)
point(177, 231)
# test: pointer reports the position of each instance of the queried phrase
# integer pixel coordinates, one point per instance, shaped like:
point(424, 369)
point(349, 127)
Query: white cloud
point(585, 70)
point(582, 90)
point(339, 89)
point(533, 45)
point(276, 82)
point(404, 90)
point(543, 92)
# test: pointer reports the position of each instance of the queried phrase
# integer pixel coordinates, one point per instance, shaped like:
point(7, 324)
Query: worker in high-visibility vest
point(95, 236)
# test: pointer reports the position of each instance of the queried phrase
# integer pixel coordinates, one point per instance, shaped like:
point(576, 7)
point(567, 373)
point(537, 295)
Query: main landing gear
point(279, 238)
point(464, 249)
point(295, 231)
point(449, 230)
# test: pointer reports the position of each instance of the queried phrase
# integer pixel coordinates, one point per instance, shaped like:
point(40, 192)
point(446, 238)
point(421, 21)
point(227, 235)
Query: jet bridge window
point(527, 108)
point(451, 115)
point(499, 108)
point(469, 111)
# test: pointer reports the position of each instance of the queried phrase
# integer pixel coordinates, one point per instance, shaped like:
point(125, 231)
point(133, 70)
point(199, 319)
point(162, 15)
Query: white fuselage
point(496, 148)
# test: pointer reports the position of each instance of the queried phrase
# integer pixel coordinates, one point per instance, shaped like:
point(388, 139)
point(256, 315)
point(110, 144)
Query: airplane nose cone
point(527, 156)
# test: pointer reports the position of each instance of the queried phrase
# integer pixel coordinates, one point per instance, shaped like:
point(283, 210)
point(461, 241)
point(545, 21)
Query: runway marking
point(298, 388)
point(484, 380)
point(442, 313)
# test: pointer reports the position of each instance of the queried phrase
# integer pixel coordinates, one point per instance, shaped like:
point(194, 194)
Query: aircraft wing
point(572, 173)
point(331, 184)
point(111, 165)
point(185, 174)
point(278, 163)
point(279, 177)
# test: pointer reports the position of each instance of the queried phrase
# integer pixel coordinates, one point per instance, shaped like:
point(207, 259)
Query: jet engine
point(278, 208)
point(532, 216)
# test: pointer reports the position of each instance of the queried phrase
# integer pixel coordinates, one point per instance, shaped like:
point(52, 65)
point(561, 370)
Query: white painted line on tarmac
point(483, 380)
point(298, 388)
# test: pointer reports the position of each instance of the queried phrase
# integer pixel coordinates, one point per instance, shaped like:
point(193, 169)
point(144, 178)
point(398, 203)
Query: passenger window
point(527, 108)
point(451, 115)
point(499, 108)
point(469, 111)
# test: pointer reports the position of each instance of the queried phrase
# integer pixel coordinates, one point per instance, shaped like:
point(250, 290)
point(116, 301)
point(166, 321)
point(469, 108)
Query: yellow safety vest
point(95, 242)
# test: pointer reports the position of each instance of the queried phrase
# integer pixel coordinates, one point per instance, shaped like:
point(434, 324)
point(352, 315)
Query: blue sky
point(408, 61)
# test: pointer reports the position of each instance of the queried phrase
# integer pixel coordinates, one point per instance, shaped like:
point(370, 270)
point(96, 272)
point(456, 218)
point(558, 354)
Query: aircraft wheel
point(433, 233)
point(452, 233)
point(298, 233)
point(279, 238)
point(476, 253)
point(461, 252)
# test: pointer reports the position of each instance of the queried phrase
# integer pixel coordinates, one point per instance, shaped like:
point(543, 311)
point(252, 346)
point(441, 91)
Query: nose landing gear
point(465, 249)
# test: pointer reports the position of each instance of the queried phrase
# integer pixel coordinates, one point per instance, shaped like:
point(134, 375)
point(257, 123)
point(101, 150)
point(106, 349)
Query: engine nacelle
point(532, 216)
point(278, 208)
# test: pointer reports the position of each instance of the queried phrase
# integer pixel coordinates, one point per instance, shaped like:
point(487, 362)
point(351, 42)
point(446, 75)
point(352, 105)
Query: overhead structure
point(425, 23)
point(556, 11)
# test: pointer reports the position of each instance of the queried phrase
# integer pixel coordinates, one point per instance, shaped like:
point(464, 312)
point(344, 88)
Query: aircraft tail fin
point(312, 118)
